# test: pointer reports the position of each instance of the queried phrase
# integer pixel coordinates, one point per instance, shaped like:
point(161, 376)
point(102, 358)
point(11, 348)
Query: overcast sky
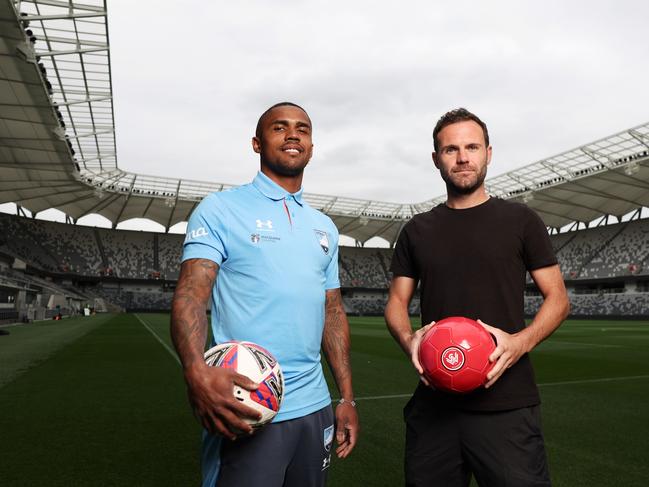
point(191, 78)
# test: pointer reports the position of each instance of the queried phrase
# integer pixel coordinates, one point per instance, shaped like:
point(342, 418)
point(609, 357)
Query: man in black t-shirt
point(471, 256)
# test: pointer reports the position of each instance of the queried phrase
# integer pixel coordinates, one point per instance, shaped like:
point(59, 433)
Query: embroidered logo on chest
point(323, 240)
point(264, 225)
point(264, 232)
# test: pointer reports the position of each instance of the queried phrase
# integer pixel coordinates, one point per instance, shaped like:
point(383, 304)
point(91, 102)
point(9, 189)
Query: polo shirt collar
point(270, 189)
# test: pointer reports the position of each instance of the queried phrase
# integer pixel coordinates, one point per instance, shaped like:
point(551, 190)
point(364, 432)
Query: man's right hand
point(415, 340)
point(210, 391)
point(396, 316)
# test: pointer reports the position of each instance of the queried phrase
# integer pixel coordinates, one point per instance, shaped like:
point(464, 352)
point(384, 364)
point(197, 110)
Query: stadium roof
point(58, 150)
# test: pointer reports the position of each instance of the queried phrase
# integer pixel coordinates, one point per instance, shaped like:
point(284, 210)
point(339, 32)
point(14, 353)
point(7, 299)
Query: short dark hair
point(455, 116)
point(280, 104)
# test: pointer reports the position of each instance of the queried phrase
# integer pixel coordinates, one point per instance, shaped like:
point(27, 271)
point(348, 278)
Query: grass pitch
point(100, 401)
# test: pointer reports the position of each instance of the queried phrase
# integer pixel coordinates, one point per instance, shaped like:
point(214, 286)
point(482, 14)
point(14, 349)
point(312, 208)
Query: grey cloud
point(374, 76)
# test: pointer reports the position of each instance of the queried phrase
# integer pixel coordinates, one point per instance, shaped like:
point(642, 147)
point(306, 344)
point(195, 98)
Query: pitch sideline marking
point(585, 344)
point(396, 396)
point(10, 325)
point(546, 384)
point(162, 342)
point(589, 381)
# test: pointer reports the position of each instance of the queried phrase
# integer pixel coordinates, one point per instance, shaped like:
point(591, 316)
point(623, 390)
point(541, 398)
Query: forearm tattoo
point(188, 310)
point(336, 341)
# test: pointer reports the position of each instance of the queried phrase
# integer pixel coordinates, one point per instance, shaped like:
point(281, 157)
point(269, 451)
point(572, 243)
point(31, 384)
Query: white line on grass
point(162, 342)
point(589, 381)
point(14, 324)
point(546, 384)
point(373, 398)
point(584, 344)
point(397, 396)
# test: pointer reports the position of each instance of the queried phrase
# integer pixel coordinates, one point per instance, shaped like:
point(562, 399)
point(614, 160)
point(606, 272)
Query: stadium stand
point(51, 246)
point(363, 268)
point(128, 254)
point(367, 303)
point(628, 304)
point(605, 267)
point(625, 254)
point(138, 298)
point(169, 254)
point(603, 252)
point(25, 297)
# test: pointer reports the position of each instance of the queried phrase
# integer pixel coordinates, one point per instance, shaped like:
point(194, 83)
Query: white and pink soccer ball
point(257, 363)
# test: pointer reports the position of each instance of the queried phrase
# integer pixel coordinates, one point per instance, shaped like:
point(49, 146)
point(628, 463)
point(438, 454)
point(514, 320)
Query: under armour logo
point(325, 462)
point(264, 224)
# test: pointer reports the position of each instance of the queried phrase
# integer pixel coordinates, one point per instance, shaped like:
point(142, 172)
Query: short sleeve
point(403, 263)
point(538, 251)
point(332, 280)
point(206, 234)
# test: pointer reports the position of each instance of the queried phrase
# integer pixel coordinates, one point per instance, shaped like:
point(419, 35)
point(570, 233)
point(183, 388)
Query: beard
point(453, 188)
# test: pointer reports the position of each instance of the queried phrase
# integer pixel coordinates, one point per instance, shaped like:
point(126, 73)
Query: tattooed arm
point(209, 388)
point(336, 344)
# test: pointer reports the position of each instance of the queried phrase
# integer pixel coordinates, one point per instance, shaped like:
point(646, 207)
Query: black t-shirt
point(473, 263)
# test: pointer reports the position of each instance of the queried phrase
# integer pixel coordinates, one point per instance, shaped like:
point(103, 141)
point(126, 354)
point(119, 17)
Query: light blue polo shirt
point(277, 256)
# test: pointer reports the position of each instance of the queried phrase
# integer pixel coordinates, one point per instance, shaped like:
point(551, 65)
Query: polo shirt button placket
point(288, 212)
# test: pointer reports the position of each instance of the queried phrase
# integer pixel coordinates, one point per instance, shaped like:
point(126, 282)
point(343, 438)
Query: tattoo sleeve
point(336, 342)
point(188, 309)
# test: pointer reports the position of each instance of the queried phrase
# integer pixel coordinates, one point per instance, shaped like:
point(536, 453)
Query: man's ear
point(435, 159)
point(256, 145)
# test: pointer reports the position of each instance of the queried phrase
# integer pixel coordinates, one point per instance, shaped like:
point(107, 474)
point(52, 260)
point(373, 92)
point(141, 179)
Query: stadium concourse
point(58, 150)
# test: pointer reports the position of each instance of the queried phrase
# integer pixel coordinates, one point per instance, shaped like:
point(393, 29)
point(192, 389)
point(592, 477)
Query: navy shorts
point(444, 447)
point(293, 453)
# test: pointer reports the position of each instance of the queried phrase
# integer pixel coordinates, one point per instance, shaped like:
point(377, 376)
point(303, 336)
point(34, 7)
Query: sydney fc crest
point(323, 240)
point(328, 438)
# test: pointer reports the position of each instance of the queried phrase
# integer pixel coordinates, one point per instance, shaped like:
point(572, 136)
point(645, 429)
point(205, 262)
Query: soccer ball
point(454, 354)
point(257, 363)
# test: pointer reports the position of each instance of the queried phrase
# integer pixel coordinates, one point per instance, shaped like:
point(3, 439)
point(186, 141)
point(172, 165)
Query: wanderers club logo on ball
point(453, 358)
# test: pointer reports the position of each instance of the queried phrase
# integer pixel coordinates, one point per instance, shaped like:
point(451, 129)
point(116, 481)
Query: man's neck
point(459, 201)
point(292, 184)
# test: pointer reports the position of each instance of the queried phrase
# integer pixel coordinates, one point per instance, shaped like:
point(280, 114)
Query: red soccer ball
point(454, 354)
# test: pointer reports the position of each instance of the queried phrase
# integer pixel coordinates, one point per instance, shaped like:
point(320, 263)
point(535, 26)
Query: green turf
point(100, 401)
point(108, 409)
point(28, 344)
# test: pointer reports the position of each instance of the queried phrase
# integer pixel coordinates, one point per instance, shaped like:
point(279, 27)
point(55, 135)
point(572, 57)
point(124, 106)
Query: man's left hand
point(510, 348)
point(347, 428)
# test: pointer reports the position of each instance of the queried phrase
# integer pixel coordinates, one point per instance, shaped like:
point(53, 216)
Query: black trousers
point(444, 447)
point(294, 453)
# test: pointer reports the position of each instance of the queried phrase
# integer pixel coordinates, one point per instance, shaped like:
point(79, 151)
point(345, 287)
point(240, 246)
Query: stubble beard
point(284, 169)
point(453, 188)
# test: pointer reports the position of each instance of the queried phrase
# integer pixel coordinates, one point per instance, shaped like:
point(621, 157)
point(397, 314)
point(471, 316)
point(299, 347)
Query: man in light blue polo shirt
point(277, 285)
